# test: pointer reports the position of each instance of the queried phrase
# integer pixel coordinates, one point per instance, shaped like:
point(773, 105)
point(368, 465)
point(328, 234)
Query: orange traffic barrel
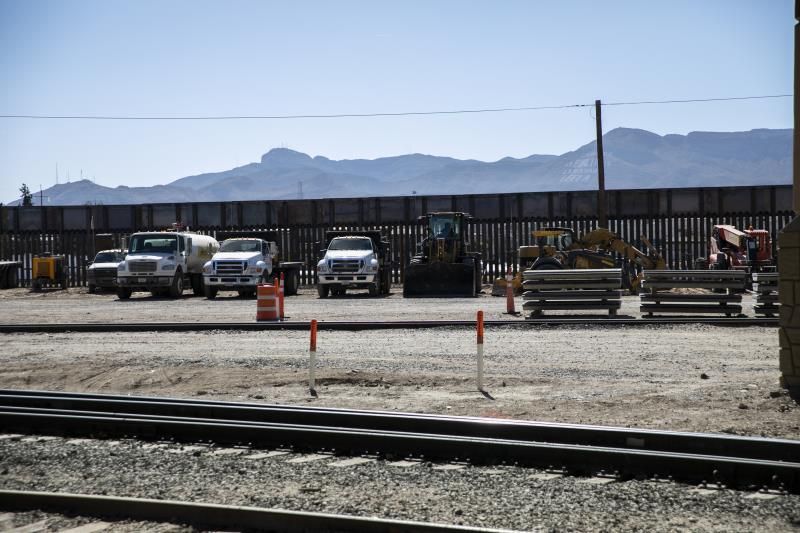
point(266, 303)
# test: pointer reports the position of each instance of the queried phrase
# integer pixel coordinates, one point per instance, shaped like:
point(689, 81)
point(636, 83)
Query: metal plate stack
point(765, 285)
point(721, 292)
point(572, 290)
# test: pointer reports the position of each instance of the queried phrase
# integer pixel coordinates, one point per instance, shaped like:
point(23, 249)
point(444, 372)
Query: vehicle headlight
point(322, 267)
point(372, 266)
point(208, 269)
point(121, 267)
point(168, 266)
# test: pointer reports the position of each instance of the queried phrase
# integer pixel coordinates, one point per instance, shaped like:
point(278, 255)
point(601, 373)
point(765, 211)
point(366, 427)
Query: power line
point(397, 114)
point(689, 100)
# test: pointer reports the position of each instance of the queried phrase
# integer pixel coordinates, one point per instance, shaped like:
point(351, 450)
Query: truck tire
point(123, 293)
point(176, 289)
point(478, 275)
point(92, 288)
point(210, 292)
point(386, 282)
point(373, 289)
point(323, 290)
point(197, 284)
point(292, 283)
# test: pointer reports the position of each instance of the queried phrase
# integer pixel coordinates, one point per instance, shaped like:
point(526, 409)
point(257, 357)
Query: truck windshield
point(108, 257)
point(350, 244)
point(240, 246)
point(143, 244)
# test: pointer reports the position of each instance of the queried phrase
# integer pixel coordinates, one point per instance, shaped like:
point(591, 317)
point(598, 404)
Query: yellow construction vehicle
point(48, 270)
point(557, 248)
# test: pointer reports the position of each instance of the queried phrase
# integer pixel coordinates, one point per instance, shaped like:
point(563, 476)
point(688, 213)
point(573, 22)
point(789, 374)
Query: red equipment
point(731, 248)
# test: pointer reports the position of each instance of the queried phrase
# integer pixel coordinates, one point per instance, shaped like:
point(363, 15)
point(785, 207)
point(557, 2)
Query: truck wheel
point(386, 282)
point(197, 284)
point(176, 289)
point(292, 283)
point(323, 290)
point(123, 293)
point(210, 292)
point(478, 275)
point(92, 288)
point(373, 289)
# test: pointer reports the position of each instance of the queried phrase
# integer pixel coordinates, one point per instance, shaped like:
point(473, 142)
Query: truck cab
point(102, 272)
point(353, 261)
point(240, 265)
point(164, 262)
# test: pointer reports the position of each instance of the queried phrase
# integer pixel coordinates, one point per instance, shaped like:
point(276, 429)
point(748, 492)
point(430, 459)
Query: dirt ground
point(693, 378)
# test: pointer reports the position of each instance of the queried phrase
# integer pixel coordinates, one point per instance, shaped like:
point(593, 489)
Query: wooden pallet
point(765, 287)
point(655, 299)
point(572, 290)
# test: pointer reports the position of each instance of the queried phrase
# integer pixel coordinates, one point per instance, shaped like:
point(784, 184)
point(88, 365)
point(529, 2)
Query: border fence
point(678, 222)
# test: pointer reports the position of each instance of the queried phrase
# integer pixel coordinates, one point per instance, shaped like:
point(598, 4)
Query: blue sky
point(281, 58)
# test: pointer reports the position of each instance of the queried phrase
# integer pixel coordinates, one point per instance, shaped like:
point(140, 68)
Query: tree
point(27, 197)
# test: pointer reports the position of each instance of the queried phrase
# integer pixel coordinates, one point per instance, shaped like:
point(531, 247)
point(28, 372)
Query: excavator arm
point(604, 239)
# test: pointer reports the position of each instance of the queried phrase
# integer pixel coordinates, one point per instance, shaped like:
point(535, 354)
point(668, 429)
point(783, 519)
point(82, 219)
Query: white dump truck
point(164, 262)
point(354, 260)
point(245, 259)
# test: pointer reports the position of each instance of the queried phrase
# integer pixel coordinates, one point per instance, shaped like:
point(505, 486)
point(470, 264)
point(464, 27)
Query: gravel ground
point(76, 305)
point(662, 377)
point(694, 378)
point(500, 497)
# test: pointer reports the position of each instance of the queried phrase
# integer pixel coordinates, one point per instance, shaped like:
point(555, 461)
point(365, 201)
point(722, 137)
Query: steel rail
point(571, 458)
point(212, 516)
point(580, 459)
point(631, 438)
point(105, 327)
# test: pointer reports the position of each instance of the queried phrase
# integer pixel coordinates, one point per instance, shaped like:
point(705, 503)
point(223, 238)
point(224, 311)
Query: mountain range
point(634, 159)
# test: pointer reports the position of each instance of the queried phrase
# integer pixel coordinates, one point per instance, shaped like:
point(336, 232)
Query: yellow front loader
point(557, 248)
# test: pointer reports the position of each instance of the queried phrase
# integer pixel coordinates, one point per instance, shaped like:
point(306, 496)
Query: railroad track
point(99, 327)
point(743, 462)
point(205, 515)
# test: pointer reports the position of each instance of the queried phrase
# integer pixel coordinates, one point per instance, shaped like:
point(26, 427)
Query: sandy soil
point(699, 378)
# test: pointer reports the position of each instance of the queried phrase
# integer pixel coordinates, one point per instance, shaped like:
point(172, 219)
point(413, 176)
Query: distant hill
point(634, 159)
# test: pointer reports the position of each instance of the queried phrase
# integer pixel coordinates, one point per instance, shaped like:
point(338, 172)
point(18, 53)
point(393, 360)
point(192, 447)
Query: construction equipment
point(558, 248)
point(48, 271)
point(444, 265)
point(731, 248)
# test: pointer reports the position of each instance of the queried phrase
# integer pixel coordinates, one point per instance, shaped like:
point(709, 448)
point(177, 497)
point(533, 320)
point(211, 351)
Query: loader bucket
point(439, 279)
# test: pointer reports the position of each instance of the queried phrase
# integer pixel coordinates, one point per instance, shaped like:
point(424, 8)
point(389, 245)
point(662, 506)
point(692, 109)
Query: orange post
point(280, 281)
point(312, 359)
point(480, 327)
point(510, 293)
point(480, 350)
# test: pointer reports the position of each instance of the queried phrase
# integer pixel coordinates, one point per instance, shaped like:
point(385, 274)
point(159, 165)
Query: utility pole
point(602, 221)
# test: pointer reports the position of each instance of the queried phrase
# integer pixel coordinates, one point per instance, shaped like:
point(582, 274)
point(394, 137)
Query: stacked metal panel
point(765, 287)
point(572, 290)
point(688, 292)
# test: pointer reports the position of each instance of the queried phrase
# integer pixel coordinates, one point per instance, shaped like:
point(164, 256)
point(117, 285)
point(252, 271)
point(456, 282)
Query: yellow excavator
point(558, 248)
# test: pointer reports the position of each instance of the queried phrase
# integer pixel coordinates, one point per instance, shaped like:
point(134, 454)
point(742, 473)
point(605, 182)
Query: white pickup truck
point(353, 260)
point(164, 262)
point(243, 261)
